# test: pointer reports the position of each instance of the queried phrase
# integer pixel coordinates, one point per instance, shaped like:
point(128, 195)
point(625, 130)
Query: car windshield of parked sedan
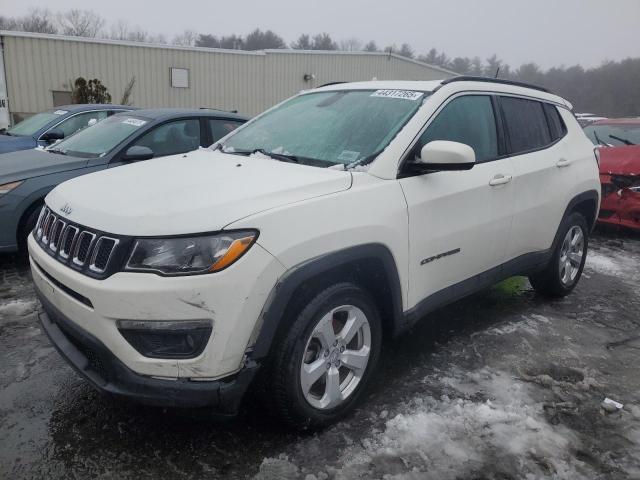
point(101, 138)
point(614, 135)
point(29, 126)
point(347, 127)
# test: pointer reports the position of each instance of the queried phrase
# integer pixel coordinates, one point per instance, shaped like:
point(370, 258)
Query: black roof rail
point(473, 78)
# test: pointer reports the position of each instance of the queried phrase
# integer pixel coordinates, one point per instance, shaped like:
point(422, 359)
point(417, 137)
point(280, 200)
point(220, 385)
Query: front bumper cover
point(106, 373)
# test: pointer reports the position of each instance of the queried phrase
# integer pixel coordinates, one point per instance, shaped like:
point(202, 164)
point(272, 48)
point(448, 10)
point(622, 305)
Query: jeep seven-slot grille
point(89, 251)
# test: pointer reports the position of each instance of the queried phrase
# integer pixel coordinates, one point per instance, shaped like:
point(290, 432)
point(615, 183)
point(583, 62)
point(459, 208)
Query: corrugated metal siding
point(248, 82)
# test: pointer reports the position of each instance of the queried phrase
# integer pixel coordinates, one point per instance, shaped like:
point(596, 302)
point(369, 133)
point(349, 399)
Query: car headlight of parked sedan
point(7, 187)
point(190, 255)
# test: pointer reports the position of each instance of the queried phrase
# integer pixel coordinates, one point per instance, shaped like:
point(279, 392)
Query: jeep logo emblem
point(66, 209)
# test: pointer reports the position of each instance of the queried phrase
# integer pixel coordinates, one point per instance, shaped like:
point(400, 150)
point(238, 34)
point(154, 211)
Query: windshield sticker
point(403, 94)
point(348, 156)
point(60, 112)
point(136, 122)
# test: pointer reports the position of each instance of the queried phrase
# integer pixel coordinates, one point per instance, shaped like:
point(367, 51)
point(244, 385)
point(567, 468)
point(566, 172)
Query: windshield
point(29, 126)
point(329, 128)
point(614, 135)
point(101, 138)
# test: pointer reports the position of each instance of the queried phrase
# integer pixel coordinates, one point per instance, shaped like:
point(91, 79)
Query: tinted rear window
point(526, 124)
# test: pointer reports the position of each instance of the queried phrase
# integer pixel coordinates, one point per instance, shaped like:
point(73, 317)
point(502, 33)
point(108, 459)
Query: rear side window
point(220, 127)
point(526, 124)
point(171, 138)
point(469, 120)
point(556, 125)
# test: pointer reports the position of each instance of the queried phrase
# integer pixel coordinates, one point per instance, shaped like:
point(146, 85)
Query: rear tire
point(563, 272)
point(326, 358)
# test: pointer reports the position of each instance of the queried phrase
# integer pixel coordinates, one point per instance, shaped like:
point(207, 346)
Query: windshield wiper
point(57, 151)
point(283, 157)
point(600, 142)
point(363, 161)
point(623, 140)
point(276, 156)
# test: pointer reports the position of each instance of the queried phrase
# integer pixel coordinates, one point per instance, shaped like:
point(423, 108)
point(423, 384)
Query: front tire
point(27, 225)
point(563, 272)
point(325, 360)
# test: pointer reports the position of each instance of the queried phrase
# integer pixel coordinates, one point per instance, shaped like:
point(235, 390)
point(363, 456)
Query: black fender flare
point(282, 293)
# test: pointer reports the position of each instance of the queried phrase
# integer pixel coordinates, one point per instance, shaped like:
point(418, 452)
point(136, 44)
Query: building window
point(180, 77)
point(61, 97)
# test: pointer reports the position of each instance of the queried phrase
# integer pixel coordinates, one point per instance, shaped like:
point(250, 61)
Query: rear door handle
point(563, 162)
point(500, 179)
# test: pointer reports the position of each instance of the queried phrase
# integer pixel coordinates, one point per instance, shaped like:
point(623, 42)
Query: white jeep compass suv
point(301, 241)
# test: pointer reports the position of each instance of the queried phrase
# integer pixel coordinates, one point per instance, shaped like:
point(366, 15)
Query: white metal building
point(37, 71)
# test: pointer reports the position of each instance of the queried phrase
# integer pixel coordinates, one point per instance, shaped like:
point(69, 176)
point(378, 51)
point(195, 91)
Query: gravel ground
point(503, 385)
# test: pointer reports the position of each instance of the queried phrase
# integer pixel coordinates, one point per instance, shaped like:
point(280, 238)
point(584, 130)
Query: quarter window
point(556, 125)
point(469, 120)
point(525, 123)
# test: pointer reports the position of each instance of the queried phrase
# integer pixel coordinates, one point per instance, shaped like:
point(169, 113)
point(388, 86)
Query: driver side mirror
point(52, 135)
point(137, 152)
point(445, 155)
point(442, 155)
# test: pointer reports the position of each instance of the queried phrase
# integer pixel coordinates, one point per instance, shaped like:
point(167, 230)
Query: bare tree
point(39, 20)
point(8, 23)
point(80, 23)
point(351, 45)
point(186, 38)
point(128, 90)
point(120, 30)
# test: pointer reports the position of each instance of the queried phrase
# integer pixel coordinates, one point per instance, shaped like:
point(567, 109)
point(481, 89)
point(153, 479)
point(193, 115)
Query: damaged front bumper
point(105, 372)
point(620, 201)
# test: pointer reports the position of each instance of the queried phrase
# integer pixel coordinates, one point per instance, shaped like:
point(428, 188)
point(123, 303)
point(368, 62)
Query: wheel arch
point(371, 266)
point(587, 204)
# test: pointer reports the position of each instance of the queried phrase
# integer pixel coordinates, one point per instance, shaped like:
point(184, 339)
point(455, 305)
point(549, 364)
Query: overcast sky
point(547, 32)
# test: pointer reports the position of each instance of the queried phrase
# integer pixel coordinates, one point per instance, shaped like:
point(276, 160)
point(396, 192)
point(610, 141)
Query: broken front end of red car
point(620, 179)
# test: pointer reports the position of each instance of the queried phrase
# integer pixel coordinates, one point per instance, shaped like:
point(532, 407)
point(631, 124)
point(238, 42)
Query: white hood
point(201, 191)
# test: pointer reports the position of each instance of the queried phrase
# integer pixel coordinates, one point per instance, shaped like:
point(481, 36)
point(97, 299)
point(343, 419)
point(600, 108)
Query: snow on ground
point(603, 264)
point(17, 308)
point(485, 425)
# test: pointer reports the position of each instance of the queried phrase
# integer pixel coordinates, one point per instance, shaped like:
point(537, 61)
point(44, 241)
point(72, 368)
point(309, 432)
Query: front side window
point(100, 140)
point(614, 135)
point(330, 128)
point(526, 124)
point(469, 120)
point(173, 138)
point(30, 126)
point(80, 121)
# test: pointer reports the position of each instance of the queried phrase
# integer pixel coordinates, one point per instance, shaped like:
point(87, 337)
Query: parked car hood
point(620, 160)
point(201, 191)
point(34, 163)
point(11, 143)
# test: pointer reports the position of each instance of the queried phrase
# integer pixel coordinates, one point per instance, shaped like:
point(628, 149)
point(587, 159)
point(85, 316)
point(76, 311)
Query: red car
point(618, 142)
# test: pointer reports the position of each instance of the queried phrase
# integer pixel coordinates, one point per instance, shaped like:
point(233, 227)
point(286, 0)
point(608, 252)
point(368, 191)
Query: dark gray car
point(27, 176)
point(44, 128)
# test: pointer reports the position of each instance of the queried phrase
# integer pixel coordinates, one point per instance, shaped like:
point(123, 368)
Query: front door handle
point(500, 179)
point(563, 162)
